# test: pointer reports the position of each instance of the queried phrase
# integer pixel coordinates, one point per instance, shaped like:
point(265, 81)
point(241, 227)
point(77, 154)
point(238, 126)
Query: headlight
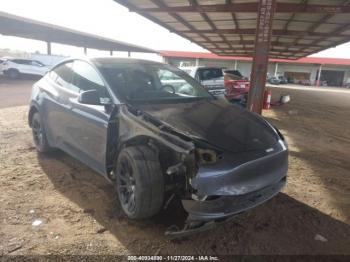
point(206, 156)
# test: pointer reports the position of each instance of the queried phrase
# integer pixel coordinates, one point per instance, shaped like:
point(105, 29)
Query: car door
point(37, 68)
point(57, 90)
point(18, 64)
point(86, 128)
point(26, 67)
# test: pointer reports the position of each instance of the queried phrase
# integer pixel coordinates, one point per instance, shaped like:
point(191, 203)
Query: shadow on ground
point(22, 77)
point(281, 226)
point(317, 125)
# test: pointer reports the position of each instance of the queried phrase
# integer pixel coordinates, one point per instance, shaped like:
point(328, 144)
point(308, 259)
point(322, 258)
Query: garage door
point(332, 77)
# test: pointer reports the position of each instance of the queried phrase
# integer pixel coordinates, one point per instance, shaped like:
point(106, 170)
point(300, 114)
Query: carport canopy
point(228, 27)
point(12, 25)
point(263, 29)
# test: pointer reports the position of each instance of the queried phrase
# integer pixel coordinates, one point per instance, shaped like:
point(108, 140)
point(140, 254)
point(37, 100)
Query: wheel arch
point(33, 109)
point(166, 155)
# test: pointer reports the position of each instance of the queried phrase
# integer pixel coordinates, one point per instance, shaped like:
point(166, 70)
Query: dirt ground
point(79, 213)
point(15, 93)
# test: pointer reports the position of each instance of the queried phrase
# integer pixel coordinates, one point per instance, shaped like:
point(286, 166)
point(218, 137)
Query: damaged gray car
point(156, 133)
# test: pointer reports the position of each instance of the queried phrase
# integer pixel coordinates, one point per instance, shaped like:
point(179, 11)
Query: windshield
point(152, 82)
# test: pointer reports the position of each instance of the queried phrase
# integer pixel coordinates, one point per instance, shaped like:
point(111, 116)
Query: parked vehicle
point(273, 80)
point(277, 80)
point(2, 60)
point(237, 86)
point(305, 82)
point(155, 141)
point(13, 68)
point(212, 78)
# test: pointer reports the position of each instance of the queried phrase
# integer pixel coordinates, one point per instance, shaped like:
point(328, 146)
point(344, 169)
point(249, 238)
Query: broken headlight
point(206, 156)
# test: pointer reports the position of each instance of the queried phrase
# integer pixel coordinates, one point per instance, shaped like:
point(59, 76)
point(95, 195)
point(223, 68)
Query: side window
point(62, 76)
point(86, 78)
point(165, 75)
point(36, 63)
point(18, 61)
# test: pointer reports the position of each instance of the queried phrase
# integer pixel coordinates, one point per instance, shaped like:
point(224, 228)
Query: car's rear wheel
point(13, 73)
point(139, 182)
point(39, 135)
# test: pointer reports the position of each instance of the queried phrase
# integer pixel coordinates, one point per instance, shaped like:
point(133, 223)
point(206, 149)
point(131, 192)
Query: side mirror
point(90, 97)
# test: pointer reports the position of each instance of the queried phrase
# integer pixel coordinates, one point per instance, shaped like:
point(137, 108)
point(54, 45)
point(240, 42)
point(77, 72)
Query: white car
point(13, 68)
point(2, 60)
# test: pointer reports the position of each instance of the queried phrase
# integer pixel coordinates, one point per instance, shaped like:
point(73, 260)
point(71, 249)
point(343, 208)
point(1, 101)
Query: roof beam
point(252, 42)
point(234, 18)
point(210, 23)
point(13, 25)
point(252, 32)
point(324, 19)
point(337, 31)
point(304, 2)
point(251, 8)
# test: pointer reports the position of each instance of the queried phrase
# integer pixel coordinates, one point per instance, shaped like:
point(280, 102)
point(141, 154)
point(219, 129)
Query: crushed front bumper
point(237, 183)
point(225, 206)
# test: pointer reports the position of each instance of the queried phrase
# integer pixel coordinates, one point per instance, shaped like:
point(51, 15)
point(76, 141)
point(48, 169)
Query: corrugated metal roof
point(227, 27)
point(27, 28)
point(305, 60)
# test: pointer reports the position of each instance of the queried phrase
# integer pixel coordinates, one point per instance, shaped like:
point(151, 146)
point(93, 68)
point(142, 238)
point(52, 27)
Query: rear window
point(209, 73)
point(234, 72)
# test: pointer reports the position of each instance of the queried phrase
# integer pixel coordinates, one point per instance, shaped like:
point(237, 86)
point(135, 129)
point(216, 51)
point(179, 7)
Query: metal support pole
point(85, 50)
point(165, 60)
point(236, 64)
point(48, 48)
point(318, 82)
point(345, 79)
point(276, 69)
point(261, 56)
point(111, 52)
point(197, 62)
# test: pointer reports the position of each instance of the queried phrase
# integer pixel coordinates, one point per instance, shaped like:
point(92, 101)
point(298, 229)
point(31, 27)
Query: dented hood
point(220, 123)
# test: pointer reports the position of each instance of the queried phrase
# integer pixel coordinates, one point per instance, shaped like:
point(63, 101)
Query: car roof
point(105, 61)
point(101, 61)
point(21, 59)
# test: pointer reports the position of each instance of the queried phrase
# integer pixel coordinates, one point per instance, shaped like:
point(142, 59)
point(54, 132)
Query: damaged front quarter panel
point(216, 183)
point(176, 151)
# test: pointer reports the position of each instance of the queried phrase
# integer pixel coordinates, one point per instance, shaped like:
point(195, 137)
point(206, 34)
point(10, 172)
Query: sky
point(105, 18)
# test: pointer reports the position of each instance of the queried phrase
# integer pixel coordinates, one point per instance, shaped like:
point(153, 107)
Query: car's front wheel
point(39, 135)
point(13, 73)
point(140, 184)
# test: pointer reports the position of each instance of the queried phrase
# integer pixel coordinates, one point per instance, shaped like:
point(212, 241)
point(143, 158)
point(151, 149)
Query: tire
point(13, 73)
point(39, 135)
point(139, 182)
